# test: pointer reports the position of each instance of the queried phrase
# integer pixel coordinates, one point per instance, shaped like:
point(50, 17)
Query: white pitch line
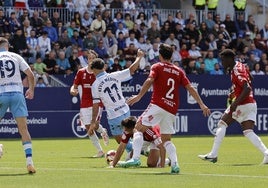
point(138, 170)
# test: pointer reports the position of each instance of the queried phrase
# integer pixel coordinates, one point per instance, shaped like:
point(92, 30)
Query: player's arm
point(196, 96)
point(74, 90)
point(145, 87)
point(119, 153)
point(29, 94)
point(134, 66)
point(245, 93)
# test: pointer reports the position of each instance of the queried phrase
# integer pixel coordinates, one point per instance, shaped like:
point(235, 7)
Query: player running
point(11, 95)
point(85, 79)
point(243, 108)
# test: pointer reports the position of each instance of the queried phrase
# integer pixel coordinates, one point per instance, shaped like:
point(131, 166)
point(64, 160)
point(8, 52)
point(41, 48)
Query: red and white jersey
point(239, 76)
point(85, 79)
point(126, 136)
point(167, 80)
point(11, 64)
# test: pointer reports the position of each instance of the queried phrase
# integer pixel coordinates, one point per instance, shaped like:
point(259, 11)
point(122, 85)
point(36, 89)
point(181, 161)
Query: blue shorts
point(15, 101)
point(115, 124)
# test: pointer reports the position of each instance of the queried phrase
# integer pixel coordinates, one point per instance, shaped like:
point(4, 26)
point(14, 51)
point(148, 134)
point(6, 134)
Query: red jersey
point(239, 76)
point(85, 79)
point(126, 136)
point(167, 80)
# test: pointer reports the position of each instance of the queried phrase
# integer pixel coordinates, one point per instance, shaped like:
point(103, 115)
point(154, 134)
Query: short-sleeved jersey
point(10, 77)
point(239, 76)
point(107, 88)
point(85, 79)
point(167, 80)
point(126, 136)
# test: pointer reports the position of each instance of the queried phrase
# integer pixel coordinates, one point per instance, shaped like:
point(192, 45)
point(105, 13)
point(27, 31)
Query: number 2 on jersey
point(171, 84)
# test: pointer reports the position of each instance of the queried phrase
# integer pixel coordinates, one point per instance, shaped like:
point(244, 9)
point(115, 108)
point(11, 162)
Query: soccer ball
point(110, 156)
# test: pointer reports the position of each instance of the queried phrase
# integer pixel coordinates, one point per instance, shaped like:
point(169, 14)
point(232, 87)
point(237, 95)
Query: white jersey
point(10, 66)
point(107, 88)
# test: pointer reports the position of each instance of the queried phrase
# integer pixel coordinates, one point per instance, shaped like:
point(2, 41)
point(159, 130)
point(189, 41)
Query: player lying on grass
point(154, 159)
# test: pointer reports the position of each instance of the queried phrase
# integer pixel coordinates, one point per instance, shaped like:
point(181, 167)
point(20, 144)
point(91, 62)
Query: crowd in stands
point(52, 46)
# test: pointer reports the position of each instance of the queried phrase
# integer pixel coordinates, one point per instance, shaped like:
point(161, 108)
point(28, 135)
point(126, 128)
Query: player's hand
point(132, 100)
point(206, 110)
point(140, 53)
point(29, 94)
point(74, 92)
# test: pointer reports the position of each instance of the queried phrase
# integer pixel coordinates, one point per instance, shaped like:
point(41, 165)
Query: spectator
point(145, 47)
point(240, 24)
point(44, 44)
point(76, 39)
point(247, 40)
point(176, 56)
point(33, 47)
point(225, 33)
point(237, 44)
point(264, 32)
point(266, 70)
point(250, 23)
point(62, 61)
point(52, 33)
point(141, 18)
point(121, 42)
point(184, 51)
point(40, 68)
point(83, 58)
point(179, 19)
point(86, 20)
point(13, 23)
point(143, 29)
point(71, 28)
point(230, 26)
point(24, 16)
point(64, 40)
point(193, 33)
point(210, 61)
point(131, 53)
point(18, 42)
point(3, 22)
point(121, 29)
point(257, 52)
point(74, 61)
point(132, 40)
point(216, 70)
point(190, 20)
point(55, 19)
point(100, 50)
point(263, 61)
point(115, 66)
point(106, 17)
point(171, 40)
point(40, 82)
point(89, 42)
point(165, 31)
point(171, 22)
point(36, 22)
point(77, 18)
point(98, 26)
point(190, 66)
point(26, 28)
point(209, 21)
point(128, 21)
point(50, 62)
point(194, 52)
point(155, 20)
point(179, 32)
point(118, 18)
point(221, 41)
point(128, 5)
point(153, 32)
point(60, 29)
point(57, 70)
point(153, 54)
point(110, 43)
point(147, 4)
point(257, 70)
point(251, 61)
point(135, 30)
point(69, 4)
point(44, 17)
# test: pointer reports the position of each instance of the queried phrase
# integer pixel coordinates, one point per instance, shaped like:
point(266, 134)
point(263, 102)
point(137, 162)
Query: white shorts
point(244, 112)
point(86, 115)
point(154, 115)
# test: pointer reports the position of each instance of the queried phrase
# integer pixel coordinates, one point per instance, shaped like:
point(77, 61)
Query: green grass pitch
point(67, 163)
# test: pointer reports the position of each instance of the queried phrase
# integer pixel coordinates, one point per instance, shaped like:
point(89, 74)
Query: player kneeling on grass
point(154, 159)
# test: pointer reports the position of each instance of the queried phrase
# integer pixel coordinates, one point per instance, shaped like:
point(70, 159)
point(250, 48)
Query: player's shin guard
point(137, 144)
point(171, 152)
point(255, 140)
point(220, 133)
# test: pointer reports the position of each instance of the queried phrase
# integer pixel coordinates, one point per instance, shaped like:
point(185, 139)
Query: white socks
point(220, 133)
point(255, 140)
point(95, 141)
point(137, 145)
point(171, 152)
point(100, 129)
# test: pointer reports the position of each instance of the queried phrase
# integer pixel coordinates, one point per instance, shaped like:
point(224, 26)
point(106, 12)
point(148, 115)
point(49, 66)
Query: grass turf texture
point(67, 163)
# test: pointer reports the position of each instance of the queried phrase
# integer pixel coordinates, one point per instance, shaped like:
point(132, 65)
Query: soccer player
point(243, 108)
point(128, 126)
point(166, 79)
point(107, 89)
point(11, 95)
point(85, 79)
